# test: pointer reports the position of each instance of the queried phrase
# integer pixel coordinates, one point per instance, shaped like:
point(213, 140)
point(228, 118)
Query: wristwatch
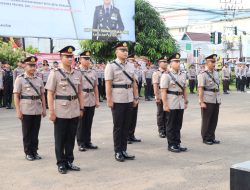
point(136, 98)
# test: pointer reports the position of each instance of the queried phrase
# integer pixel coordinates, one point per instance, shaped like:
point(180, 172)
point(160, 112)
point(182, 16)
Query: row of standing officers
point(73, 97)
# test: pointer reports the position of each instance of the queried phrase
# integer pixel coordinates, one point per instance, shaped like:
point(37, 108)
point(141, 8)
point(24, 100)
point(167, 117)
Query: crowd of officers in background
point(72, 94)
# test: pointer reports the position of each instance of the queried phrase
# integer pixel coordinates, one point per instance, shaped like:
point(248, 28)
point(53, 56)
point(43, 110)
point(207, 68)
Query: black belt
point(175, 93)
point(122, 86)
point(31, 97)
point(70, 98)
point(88, 90)
point(211, 90)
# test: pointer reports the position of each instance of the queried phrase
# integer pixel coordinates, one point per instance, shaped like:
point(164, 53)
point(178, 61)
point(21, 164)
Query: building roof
point(192, 36)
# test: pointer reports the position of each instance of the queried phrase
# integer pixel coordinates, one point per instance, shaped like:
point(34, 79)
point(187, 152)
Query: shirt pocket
point(63, 85)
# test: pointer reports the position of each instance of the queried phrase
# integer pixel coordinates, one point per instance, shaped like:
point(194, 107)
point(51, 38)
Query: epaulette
point(22, 75)
point(55, 69)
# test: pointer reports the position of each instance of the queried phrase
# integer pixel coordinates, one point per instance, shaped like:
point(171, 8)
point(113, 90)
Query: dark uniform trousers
point(139, 87)
point(237, 83)
point(1, 98)
point(8, 89)
point(30, 127)
point(100, 88)
point(133, 122)
point(209, 121)
point(85, 126)
point(248, 82)
point(122, 115)
point(191, 85)
point(174, 125)
point(103, 89)
point(162, 118)
point(242, 84)
point(148, 88)
point(65, 133)
point(225, 85)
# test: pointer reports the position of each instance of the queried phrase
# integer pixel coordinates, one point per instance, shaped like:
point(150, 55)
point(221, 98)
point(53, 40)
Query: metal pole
point(23, 43)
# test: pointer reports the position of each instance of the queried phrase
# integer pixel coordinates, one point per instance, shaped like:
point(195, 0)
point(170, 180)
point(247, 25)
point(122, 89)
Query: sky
point(211, 4)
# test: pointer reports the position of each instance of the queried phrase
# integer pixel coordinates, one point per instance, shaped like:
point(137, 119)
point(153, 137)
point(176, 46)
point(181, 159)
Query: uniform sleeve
point(201, 80)
point(80, 85)
point(155, 78)
point(42, 87)
point(96, 78)
point(109, 74)
point(51, 83)
point(164, 84)
point(18, 86)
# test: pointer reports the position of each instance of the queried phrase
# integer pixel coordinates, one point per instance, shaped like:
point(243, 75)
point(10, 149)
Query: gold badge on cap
point(87, 53)
point(177, 56)
point(125, 44)
point(165, 57)
point(214, 57)
point(33, 59)
point(70, 50)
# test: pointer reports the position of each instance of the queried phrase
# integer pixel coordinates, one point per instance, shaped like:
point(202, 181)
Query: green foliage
point(31, 50)
point(10, 55)
point(152, 37)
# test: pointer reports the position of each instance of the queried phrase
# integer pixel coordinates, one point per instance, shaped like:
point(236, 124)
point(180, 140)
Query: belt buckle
point(33, 97)
point(126, 86)
point(72, 98)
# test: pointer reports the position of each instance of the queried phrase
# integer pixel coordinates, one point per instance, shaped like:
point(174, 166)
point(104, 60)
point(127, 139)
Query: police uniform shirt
point(225, 73)
point(38, 73)
point(156, 79)
point(99, 73)
point(174, 101)
point(138, 72)
point(192, 74)
point(59, 85)
point(17, 71)
point(206, 82)
point(22, 87)
point(89, 97)
point(114, 73)
point(45, 74)
point(1, 78)
point(248, 72)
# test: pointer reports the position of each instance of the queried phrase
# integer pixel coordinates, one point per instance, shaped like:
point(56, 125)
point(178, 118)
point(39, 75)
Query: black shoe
point(208, 142)
point(216, 141)
point(162, 135)
point(29, 157)
point(133, 139)
point(119, 157)
point(72, 167)
point(182, 149)
point(82, 148)
point(127, 156)
point(90, 146)
point(37, 156)
point(62, 169)
point(174, 148)
point(130, 142)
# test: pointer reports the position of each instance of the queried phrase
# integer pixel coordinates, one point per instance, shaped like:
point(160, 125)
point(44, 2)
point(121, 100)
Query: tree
point(10, 55)
point(30, 49)
point(152, 37)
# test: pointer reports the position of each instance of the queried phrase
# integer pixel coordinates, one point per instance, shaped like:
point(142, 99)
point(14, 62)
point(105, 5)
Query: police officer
point(8, 86)
point(192, 78)
point(55, 64)
point(100, 74)
point(122, 96)
point(107, 22)
point(161, 116)
point(19, 70)
point(65, 100)
point(147, 79)
point(248, 76)
point(30, 106)
point(1, 85)
point(209, 98)
point(91, 101)
point(174, 97)
point(132, 127)
point(242, 76)
point(225, 78)
point(237, 75)
point(45, 74)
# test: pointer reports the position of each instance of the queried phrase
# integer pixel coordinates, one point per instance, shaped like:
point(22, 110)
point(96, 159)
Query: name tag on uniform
point(114, 16)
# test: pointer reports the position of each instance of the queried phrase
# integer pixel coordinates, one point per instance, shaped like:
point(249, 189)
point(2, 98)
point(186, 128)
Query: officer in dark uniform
point(8, 86)
point(107, 22)
point(65, 100)
point(30, 106)
point(1, 85)
point(122, 96)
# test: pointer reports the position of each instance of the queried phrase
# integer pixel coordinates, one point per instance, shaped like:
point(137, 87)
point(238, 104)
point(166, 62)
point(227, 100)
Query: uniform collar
point(210, 71)
point(71, 72)
point(27, 76)
point(174, 72)
point(160, 69)
point(119, 62)
point(85, 70)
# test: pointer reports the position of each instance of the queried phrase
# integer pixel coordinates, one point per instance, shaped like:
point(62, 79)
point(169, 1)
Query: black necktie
point(107, 11)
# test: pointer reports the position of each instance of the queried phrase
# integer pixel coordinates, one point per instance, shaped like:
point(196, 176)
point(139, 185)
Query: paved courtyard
point(201, 168)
